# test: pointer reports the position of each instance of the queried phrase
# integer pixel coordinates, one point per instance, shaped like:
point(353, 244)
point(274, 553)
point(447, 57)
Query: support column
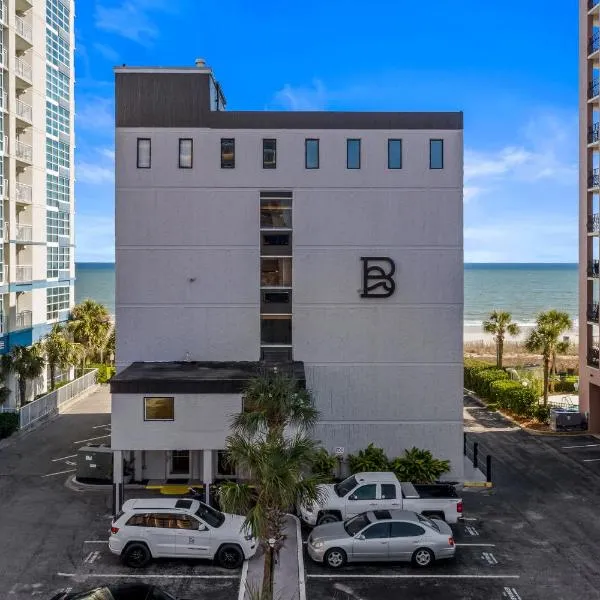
point(207, 472)
point(138, 466)
point(117, 481)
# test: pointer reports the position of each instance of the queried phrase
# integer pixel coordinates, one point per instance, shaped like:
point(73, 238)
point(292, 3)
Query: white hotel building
point(36, 168)
point(333, 240)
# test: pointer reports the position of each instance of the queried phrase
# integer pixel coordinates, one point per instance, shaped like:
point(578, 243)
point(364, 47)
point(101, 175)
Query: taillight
point(450, 541)
point(459, 508)
point(114, 530)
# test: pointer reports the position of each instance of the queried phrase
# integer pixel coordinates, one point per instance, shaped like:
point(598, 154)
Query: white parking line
point(511, 593)
point(242, 590)
point(415, 576)
point(591, 459)
point(471, 530)
point(489, 558)
point(469, 519)
point(92, 557)
point(478, 545)
point(64, 457)
point(101, 426)
point(60, 473)
point(95, 542)
point(146, 576)
point(581, 446)
point(92, 439)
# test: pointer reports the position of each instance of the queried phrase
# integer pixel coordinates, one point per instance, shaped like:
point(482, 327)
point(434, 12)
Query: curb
point(301, 573)
point(78, 486)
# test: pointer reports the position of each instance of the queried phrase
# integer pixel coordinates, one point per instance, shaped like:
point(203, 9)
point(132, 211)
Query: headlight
point(317, 544)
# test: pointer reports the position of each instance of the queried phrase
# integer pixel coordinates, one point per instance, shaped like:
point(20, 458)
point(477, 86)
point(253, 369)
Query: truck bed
point(436, 490)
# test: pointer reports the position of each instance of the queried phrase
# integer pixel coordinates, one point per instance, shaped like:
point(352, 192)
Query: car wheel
point(230, 556)
point(136, 556)
point(335, 558)
point(327, 518)
point(422, 557)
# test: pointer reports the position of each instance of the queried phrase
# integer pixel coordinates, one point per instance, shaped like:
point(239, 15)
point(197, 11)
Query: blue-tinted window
point(311, 152)
point(436, 154)
point(353, 154)
point(394, 154)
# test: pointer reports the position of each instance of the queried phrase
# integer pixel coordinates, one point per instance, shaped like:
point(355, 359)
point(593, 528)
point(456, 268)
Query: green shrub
point(514, 397)
point(419, 466)
point(564, 387)
point(541, 413)
point(485, 378)
point(9, 423)
point(105, 372)
point(324, 464)
point(369, 459)
point(472, 369)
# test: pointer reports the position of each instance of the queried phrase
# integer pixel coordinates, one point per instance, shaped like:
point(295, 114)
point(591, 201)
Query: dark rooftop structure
point(191, 377)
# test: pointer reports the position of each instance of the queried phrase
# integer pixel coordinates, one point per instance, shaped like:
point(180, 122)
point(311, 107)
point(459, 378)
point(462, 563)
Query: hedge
point(9, 423)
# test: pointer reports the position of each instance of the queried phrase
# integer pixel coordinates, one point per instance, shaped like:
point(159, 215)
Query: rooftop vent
point(200, 63)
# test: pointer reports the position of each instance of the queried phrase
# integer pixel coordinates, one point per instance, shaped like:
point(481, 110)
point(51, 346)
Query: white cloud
point(97, 168)
point(302, 98)
point(95, 237)
point(107, 52)
point(96, 113)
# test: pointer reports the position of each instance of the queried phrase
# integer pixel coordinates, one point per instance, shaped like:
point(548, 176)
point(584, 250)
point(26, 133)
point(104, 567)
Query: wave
point(519, 323)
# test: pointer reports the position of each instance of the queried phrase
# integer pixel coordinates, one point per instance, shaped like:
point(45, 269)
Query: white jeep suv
point(178, 527)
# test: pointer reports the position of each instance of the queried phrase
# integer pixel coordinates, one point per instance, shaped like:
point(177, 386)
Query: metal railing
point(592, 3)
point(24, 110)
point(24, 193)
point(593, 357)
point(23, 151)
point(593, 269)
point(24, 233)
point(23, 69)
point(22, 320)
point(594, 88)
point(24, 273)
point(23, 28)
point(594, 43)
point(594, 133)
point(593, 312)
point(593, 223)
point(594, 178)
point(50, 403)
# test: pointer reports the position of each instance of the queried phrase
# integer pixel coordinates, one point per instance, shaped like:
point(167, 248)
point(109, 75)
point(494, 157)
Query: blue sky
point(510, 66)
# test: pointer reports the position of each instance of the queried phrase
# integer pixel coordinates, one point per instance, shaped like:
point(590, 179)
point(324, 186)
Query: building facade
point(37, 179)
point(333, 240)
point(589, 210)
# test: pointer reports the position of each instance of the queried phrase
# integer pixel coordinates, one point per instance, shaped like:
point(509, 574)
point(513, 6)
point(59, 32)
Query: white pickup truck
point(377, 491)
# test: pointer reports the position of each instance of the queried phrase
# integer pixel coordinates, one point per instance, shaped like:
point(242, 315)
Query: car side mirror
point(201, 527)
point(359, 536)
point(352, 497)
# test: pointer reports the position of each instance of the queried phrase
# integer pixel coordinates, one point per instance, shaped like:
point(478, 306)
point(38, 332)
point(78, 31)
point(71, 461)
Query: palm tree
point(550, 325)
point(499, 324)
point(276, 470)
point(28, 363)
point(90, 324)
point(59, 350)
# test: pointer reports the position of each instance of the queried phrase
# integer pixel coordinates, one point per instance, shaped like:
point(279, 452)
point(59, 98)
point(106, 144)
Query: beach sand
point(474, 333)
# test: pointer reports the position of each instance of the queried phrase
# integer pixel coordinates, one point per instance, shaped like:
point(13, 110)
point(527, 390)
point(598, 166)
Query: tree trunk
point(22, 390)
point(267, 584)
point(52, 374)
point(499, 352)
point(546, 370)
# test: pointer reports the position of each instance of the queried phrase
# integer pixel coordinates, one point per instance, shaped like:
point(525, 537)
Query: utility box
point(565, 420)
point(95, 463)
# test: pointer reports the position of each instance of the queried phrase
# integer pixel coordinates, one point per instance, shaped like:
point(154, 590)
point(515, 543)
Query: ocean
point(523, 289)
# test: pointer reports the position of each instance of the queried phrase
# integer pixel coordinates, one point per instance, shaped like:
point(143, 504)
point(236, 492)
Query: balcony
point(593, 223)
point(22, 320)
point(593, 269)
point(4, 102)
point(23, 5)
point(23, 193)
point(592, 4)
point(594, 43)
point(3, 13)
point(594, 133)
point(25, 33)
point(23, 273)
point(24, 233)
point(593, 312)
point(593, 357)
point(24, 111)
point(24, 152)
point(594, 88)
point(594, 178)
point(23, 70)
point(4, 58)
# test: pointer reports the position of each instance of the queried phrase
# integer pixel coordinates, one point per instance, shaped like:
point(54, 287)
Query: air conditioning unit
point(95, 464)
point(565, 420)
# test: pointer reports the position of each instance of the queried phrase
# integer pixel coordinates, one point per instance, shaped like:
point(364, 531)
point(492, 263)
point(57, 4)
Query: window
point(137, 521)
point(57, 190)
point(58, 154)
point(269, 154)
point(377, 531)
point(144, 153)
point(403, 529)
point(57, 300)
point(311, 153)
point(276, 244)
point(394, 154)
point(365, 492)
point(276, 214)
point(162, 520)
point(159, 409)
point(388, 491)
point(276, 272)
point(186, 151)
point(353, 154)
point(227, 153)
point(57, 224)
point(187, 523)
point(58, 262)
point(276, 329)
point(275, 302)
point(436, 154)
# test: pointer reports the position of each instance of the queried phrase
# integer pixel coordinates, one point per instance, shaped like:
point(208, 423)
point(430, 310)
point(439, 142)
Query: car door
point(193, 537)
point(361, 499)
point(405, 538)
point(389, 497)
point(160, 533)
point(372, 542)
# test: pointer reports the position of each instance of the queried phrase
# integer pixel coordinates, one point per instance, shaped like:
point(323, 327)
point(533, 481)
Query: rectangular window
point(276, 214)
point(311, 153)
point(276, 302)
point(186, 153)
point(144, 153)
point(57, 300)
point(276, 329)
point(388, 491)
point(276, 272)
point(269, 154)
point(227, 153)
point(58, 262)
point(353, 154)
point(394, 154)
point(159, 409)
point(436, 154)
point(276, 244)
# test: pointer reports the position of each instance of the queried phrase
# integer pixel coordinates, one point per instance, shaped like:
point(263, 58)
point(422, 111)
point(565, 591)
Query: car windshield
point(355, 524)
point(429, 522)
point(342, 488)
point(211, 516)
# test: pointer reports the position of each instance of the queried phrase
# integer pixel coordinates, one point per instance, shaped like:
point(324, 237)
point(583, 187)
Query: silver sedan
point(382, 535)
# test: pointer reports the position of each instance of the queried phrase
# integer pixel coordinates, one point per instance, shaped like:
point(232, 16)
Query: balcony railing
point(594, 88)
point(594, 43)
point(594, 133)
point(23, 192)
point(22, 320)
point(24, 110)
point(23, 151)
point(593, 357)
point(593, 223)
point(593, 312)
point(594, 178)
point(592, 3)
point(593, 269)
point(24, 233)
point(23, 28)
point(24, 273)
point(23, 69)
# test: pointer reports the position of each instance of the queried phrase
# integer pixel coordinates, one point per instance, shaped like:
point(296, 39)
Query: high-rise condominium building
point(36, 177)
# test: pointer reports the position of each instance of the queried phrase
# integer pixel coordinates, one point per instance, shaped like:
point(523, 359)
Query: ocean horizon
point(523, 289)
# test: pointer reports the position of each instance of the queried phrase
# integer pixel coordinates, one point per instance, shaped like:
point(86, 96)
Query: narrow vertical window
point(436, 154)
point(394, 154)
point(144, 153)
point(353, 154)
point(269, 154)
point(311, 153)
point(227, 153)
point(186, 153)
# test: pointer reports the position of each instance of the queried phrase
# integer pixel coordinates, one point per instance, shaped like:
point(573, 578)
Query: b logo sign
point(377, 282)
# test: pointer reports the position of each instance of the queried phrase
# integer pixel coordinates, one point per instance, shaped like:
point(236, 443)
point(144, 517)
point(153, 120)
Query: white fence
point(50, 403)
